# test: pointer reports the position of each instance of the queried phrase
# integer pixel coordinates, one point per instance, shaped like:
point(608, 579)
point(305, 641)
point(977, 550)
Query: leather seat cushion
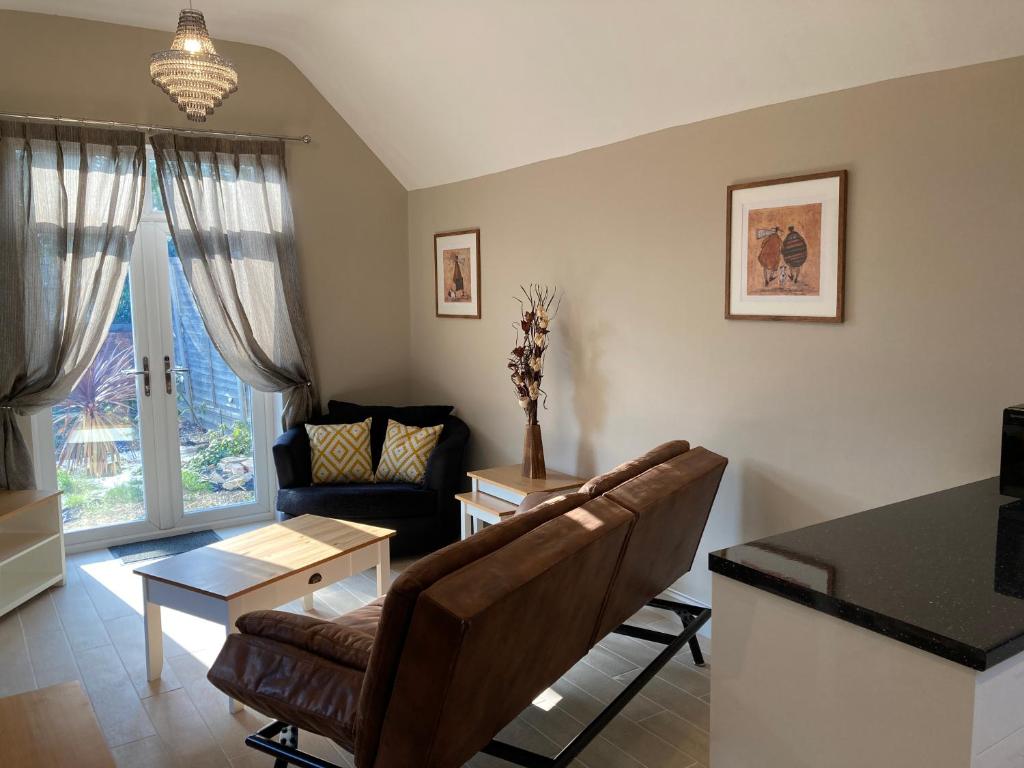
point(633, 467)
point(359, 501)
point(346, 640)
point(290, 684)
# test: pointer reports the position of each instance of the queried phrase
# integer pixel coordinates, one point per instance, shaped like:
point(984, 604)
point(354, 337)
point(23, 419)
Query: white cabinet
point(31, 545)
point(794, 687)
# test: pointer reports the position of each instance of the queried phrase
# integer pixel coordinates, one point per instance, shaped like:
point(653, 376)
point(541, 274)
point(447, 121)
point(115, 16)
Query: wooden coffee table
point(51, 728)
point(259, 570)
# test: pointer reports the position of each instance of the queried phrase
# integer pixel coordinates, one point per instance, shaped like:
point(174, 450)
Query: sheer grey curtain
point(70, 200)
point(231, 219)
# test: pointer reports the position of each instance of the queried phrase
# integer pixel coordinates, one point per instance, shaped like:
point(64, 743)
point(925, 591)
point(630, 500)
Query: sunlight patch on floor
point(191, 633)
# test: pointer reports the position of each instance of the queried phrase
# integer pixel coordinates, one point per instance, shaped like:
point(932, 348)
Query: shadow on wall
point(772, 501)
point(389, 392)
point(582, 335)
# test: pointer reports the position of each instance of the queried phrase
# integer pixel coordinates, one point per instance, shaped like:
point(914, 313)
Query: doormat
point(172, 545)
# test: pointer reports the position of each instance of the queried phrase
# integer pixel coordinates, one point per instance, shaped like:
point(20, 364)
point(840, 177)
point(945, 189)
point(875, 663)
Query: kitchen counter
point(889, 637)
point(940, 572)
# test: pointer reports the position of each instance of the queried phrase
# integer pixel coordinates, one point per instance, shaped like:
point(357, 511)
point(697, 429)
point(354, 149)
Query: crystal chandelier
point(191, 72)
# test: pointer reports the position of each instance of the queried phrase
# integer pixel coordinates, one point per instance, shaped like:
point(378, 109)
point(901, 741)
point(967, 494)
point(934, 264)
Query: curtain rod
point(150, 128)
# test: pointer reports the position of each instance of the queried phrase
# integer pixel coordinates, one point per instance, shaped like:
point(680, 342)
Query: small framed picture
point(785, 249)
point(457, 273)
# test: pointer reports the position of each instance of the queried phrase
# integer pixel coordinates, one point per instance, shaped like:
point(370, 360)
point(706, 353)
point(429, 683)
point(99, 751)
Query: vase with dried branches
point(526, 364)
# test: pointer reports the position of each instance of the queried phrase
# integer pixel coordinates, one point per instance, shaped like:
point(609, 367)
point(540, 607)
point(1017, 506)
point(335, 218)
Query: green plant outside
point(78, 489)
point(193, 482)
point(127, 493)
point(224, 442)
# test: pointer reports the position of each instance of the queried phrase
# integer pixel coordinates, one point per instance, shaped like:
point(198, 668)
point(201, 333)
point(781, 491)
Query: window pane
point(156, 204)
point(214, 410)
point(96, 435)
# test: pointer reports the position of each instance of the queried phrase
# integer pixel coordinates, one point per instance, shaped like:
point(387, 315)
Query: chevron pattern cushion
point(340, 452)
point(405, 453)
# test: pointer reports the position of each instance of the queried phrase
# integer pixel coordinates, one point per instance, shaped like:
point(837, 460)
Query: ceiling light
point(190, 72)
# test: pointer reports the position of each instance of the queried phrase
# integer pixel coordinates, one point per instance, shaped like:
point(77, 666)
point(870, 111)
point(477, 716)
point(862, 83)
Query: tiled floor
point(91, 630)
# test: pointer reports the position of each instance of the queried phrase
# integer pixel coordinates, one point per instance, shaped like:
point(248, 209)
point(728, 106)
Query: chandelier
point(190, 72)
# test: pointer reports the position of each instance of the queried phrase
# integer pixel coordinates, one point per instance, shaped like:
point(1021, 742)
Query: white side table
point(498, 491)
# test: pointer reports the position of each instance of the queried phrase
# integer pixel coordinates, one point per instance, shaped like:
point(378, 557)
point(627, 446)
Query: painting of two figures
point(784, 250)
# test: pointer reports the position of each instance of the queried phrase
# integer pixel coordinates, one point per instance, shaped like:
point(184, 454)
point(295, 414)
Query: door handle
point(168, 370)
point(144, 373)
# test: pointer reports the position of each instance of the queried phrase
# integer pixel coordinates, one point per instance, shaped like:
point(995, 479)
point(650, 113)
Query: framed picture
point(785, 249)
point(457, 273)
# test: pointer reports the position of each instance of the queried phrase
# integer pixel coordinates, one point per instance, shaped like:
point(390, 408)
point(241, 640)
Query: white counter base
point(792, 687)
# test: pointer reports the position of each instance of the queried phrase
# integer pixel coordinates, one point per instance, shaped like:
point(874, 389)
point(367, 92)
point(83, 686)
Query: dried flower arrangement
point(526, 364)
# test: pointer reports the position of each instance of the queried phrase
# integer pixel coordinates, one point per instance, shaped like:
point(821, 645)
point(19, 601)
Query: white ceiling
point(444, 90)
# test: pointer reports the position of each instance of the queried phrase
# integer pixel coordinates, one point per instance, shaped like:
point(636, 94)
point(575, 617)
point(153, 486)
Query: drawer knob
point(316, 578)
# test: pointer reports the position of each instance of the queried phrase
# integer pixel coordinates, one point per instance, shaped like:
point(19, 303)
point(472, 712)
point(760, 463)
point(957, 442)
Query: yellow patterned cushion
point(405, 454)
point(340, 452)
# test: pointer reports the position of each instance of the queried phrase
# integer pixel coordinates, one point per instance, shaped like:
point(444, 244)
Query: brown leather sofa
point(468, 636)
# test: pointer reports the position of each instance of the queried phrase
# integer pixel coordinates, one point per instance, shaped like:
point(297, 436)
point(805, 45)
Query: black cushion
point(359, 501)
point(339, 412)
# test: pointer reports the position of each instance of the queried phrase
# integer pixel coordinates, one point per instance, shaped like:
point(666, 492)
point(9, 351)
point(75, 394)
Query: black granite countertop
point(943, 572)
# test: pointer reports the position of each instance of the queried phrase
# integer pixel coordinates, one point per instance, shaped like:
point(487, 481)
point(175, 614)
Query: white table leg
point(307, 602)
point(233, 614)
point(383, 567)
point(467, 521)
point(154, 635)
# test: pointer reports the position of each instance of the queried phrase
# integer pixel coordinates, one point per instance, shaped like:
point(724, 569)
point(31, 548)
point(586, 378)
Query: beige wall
point(350, 212)
point(817, 420)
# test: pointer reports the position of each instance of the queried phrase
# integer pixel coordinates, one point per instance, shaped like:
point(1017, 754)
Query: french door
point(159, 435)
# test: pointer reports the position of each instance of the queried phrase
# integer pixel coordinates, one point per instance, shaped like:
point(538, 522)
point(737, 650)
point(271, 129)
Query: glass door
point(160, 434)
point(98, 432)
point(219, 443)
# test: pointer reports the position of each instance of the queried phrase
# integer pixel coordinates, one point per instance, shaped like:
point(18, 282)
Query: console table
point(891, 637)
point(31, 545)
point(497, 492)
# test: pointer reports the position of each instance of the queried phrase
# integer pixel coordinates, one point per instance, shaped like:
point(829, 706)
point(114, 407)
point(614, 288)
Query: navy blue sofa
point(425, 516)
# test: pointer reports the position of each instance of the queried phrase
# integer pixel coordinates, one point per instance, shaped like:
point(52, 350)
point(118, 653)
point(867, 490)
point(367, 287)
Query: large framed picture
point(785, 249)
point(457, 273)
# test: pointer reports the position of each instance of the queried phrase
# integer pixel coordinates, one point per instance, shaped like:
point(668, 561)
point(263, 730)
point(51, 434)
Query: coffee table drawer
point(308, 580)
